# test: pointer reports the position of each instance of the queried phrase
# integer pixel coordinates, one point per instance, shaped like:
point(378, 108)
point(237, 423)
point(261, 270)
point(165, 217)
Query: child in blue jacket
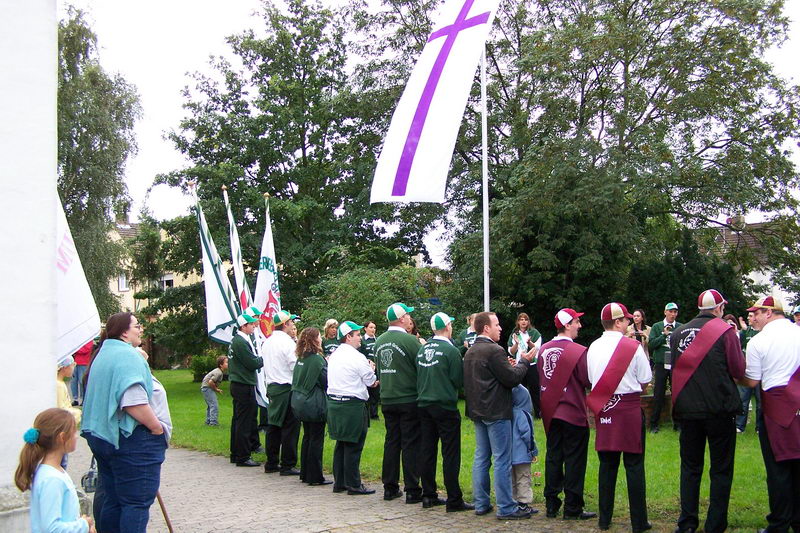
point(523, 448)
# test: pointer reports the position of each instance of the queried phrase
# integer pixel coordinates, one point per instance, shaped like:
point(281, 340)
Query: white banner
point(78, 321)
point(242, 289)
point(418, 148)
point(268, 292)
point(221, 304)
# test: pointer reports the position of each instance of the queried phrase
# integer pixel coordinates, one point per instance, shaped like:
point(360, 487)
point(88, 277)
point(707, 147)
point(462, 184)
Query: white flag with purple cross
point(418, 148)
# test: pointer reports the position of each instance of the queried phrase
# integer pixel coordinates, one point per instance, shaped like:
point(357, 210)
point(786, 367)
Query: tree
point(96, 116)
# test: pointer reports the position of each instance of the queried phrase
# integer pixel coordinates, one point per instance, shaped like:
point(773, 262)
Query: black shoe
point(603, 527)
point(339, 489)
point(427, 503)
point(260, 449)
point(654, 429)
point(481, 512)
point(525, 508)
point(585, 515)
point(249, 462)
point(290, 472)
point(516, 515)
point(413, 499)
point(463, 506)
point(318, 483)
point(647, 527)
point(390, 495)
point(679, 530)
point(352, 491)
point(551, 514)
point(271, 469)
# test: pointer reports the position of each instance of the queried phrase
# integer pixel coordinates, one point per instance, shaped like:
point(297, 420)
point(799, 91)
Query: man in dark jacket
point(707, 359)
point(488, 380)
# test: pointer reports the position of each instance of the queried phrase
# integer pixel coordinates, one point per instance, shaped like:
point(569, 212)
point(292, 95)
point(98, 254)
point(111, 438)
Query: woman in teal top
point(309, 383)
point(122, 430)
point(522, 339)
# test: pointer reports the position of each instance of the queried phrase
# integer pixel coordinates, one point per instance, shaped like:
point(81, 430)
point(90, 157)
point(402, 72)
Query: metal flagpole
point(485, 168)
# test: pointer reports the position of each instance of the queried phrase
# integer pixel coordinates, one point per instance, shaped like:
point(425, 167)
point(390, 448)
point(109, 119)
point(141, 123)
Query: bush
point(202, 364)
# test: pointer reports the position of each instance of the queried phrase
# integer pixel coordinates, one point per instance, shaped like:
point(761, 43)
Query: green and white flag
point(242, 289)
point(268, 292)
point(222, 306)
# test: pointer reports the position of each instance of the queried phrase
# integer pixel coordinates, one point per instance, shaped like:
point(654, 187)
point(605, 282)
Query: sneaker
point(516, 515)
point(739, 430)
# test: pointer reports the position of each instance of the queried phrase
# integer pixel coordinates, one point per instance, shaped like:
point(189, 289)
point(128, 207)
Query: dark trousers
point(720, 432)
point(565, 466)
point(402, 435)
point(783, 487)
point(607, 482)
point(347, 463)
point(437, 424)
point(660, 378)
point(531, 383)
point(311, 452)
point(244, 421)
point(374, 400)
point(263, 418)
point(281, 443)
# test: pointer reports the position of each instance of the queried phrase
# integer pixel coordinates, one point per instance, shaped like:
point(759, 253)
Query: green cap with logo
point(347, 327)
point(440, 321)
point(281, 317)
point(396, 311)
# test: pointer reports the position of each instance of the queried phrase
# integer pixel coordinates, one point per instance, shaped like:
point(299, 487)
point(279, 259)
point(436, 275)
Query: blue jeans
point(130, 477)
point(746, 393)
point(493, 442)
point(76, 383)
point(212, 406)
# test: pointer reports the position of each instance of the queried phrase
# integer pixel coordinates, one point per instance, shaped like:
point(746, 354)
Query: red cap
point(709, 299)
point(613, 311)
point(565, 316)
point(767, 302)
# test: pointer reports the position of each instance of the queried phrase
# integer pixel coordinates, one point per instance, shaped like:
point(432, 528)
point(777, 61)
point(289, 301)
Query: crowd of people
point(335, 379)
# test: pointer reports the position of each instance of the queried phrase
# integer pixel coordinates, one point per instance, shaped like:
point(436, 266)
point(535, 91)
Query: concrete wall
point(28, 149)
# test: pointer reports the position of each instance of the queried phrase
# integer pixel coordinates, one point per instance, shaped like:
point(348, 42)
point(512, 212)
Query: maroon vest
point(781, 419)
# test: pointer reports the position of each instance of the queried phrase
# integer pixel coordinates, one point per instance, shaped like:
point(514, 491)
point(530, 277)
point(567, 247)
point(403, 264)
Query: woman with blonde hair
point(309, 383)
point(329, 341)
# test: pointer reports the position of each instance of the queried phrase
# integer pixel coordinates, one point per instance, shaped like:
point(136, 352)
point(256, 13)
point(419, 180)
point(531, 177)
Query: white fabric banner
point(221, 304)
point(418, 148)
point(242, 289)
point(268, 292)
point(78, 321)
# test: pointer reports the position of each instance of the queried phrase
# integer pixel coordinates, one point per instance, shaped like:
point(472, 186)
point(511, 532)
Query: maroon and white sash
point(693, 355)
point(615, 370)
point(781, 420)
point(552, 393)
point(619, 424)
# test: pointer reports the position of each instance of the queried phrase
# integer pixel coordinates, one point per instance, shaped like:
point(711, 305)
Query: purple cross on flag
point(418, 148)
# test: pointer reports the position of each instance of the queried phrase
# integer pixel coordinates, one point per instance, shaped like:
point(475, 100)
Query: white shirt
point(349, 373)
point(599, 355)
point(774, 354)
point(279, 357)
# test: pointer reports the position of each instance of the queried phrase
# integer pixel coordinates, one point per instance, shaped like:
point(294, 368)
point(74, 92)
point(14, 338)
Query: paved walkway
point(205, 493)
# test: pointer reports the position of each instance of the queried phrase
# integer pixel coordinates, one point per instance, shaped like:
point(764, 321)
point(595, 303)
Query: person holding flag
point(619, 371)
point(707, 358)
point(773, 362)
point(564, 378)
point(283, 429)
point(242, 366)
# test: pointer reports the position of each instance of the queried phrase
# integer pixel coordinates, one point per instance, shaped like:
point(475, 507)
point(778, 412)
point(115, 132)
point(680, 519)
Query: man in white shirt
point(619, 371)
point(283, 429)
point(349, 375)
point(773, 361)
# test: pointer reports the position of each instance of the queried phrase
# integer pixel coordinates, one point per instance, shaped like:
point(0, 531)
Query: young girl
point(54, 502)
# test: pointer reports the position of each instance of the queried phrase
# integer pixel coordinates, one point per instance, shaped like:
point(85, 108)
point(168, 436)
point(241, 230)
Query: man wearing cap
point(773, 361)
point(488, 380)
point(707, 359)
point(658, 344)
point(283, 429)
point(440, 374)
point(242, 366)
point(396, 359)
point(796, 315)
point(563, 380)
point(349, 375)
point(619, 371)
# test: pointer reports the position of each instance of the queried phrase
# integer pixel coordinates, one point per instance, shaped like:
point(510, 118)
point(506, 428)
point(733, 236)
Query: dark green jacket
point(465, 336)
point(328, 346)
point(656, 343)
point(368, 347)
point(745, 335)
point(440, 374)
point(242, 362)
point(309, 385)
point(395, 357)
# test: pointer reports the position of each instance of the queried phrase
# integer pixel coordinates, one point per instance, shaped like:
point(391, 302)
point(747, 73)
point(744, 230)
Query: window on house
point(122, 283)
point(167, 281)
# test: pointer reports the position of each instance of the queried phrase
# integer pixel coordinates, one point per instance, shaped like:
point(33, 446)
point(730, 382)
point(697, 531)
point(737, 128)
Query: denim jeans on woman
point(493, 442)
point(130, 477)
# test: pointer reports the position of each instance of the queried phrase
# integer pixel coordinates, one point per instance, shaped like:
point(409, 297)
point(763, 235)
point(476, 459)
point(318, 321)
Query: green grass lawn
point(748, 504)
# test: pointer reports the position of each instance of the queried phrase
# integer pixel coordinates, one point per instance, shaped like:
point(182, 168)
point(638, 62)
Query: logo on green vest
point(386, 358)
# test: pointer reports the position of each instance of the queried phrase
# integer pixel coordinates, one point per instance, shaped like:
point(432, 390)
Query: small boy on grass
point(210, 389)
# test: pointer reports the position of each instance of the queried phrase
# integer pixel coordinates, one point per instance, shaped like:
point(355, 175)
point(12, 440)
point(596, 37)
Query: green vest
point(242, 362)
point(440, 373)
point(395, 357)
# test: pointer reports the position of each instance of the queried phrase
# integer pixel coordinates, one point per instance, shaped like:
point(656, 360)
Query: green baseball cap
point(253, 311)
point(345, 328)
point(440, 321)
point(670, 306)
point(281, 317)
point(244, 318)
point(396, 311)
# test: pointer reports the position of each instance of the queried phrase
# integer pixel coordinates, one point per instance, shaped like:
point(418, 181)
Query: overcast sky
point(155, 43)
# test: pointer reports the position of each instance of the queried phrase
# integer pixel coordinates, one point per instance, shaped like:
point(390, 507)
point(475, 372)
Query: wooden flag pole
point(164, 511)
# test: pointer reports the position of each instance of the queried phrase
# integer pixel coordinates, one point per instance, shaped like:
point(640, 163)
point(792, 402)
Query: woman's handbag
point(309, 407)
point(89, 479)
